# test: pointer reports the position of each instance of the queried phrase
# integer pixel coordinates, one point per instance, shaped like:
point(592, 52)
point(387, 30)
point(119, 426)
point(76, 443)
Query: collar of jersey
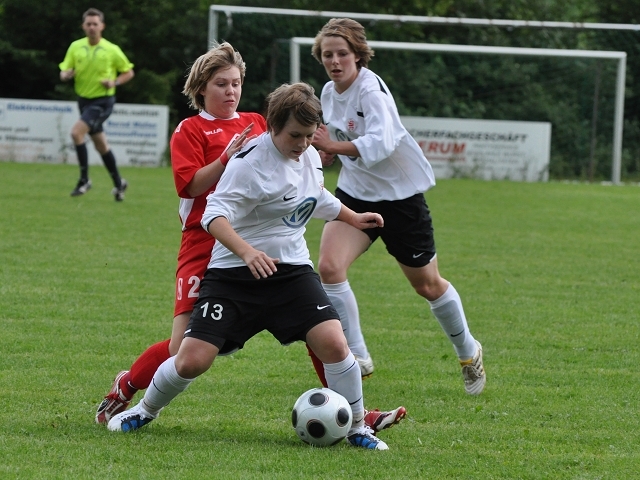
point(208, 116)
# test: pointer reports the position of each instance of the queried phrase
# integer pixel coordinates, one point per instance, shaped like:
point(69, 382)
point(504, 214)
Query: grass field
point(548, 274)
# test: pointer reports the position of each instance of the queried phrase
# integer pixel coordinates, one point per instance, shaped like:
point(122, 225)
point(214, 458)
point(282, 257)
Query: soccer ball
point(321, 417)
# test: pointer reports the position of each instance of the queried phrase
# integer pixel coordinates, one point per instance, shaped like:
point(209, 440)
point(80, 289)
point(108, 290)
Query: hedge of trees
point(163, 37)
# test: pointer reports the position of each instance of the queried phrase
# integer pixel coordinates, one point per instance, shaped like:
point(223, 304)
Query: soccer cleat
point(366, 366)
point(377, 420)
point(81, 188)
point(130, 420)
point(118, 193)
point(473, 373)
point(115, 401)
point(363, 437)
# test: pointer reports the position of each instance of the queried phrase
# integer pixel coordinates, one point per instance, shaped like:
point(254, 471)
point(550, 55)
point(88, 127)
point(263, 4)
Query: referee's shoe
point(118, 193)
point(82, 187)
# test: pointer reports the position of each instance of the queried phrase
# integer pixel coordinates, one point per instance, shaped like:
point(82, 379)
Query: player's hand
point(363, 221)
point(260, 264)
point(326, 158)
point(240, 141)
point(321, 138)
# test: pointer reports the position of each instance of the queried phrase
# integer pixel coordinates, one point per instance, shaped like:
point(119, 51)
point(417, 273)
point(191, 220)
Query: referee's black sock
point(109, 161)
point(83, 161)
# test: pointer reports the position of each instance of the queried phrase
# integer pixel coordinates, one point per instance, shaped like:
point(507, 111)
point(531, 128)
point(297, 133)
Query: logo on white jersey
point(301, 214)
point(343, 137)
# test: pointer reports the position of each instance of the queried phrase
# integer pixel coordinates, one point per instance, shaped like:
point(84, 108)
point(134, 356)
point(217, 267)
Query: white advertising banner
point(486, 149)
point(39, 131)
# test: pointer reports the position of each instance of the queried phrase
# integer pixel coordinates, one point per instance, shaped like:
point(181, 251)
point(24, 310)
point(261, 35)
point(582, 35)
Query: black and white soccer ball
point(321, 417)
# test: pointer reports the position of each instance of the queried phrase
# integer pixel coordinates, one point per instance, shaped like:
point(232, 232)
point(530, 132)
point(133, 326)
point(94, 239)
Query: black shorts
point(233, 306)
point(94, 111)
point(407, 231)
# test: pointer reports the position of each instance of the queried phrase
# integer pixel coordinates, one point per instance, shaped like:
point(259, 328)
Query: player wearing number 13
point(260, 276)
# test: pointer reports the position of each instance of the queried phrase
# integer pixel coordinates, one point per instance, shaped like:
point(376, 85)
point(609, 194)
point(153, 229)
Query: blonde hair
point(298, 101)
point(352, 32)
point(220, 57)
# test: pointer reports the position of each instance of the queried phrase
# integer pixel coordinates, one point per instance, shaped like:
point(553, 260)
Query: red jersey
point(198, 141)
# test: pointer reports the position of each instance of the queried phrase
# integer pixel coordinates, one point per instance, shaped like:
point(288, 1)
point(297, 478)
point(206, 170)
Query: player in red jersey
point(200, 149)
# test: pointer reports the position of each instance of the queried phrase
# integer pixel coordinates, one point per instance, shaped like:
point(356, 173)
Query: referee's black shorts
point(95, 111)
point(233, 306)
point(407, 231)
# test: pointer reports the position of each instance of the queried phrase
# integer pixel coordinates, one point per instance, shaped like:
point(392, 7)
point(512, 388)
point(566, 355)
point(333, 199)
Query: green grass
point(548, 274)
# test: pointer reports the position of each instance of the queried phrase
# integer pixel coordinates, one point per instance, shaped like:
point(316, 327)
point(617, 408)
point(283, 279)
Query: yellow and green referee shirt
point(93, 63)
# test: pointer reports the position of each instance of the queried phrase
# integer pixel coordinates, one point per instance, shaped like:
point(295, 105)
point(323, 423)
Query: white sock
point(345, 303)
point(165, 386)
point(450, 314)
point(344, 377)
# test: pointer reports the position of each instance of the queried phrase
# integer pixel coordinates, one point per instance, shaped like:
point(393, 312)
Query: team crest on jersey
point(301, 214)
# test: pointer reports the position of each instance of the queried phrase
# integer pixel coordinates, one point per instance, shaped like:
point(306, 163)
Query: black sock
point(109, 161)
point(83, 161)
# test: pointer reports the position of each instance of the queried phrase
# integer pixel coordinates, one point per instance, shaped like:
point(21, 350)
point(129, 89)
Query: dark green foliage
point(163, 37)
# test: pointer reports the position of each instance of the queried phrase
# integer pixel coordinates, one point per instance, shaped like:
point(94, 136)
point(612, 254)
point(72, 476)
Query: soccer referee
point(97, 67)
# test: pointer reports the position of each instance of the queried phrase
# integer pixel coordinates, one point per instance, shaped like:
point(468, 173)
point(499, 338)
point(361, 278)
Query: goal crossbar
point(620, 57)
point(229, 10)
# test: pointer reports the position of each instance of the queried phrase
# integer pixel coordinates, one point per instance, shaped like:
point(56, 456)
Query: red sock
point(319, 367)
point(143, 369)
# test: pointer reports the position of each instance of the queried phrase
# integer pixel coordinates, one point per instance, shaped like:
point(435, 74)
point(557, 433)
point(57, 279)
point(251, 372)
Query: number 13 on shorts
point(215, 313)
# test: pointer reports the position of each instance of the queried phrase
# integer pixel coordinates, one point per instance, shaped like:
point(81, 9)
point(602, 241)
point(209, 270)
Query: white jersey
point(391, 165)
point(269, 199)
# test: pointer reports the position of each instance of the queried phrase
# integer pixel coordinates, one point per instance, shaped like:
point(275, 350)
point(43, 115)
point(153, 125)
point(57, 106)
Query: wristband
point(224, 158)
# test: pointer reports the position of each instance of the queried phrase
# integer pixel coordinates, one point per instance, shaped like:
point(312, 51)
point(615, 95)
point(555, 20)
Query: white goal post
point(621, 57)
point(229, 10)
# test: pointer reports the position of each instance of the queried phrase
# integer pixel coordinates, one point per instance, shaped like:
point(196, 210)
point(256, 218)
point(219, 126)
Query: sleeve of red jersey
point(187, 156)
